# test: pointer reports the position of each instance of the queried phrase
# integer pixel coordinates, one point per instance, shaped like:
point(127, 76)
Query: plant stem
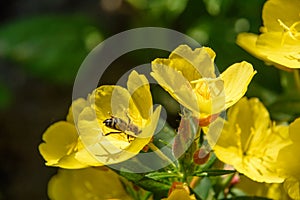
point(194, 182)
point(160, 154)
point(297, 79)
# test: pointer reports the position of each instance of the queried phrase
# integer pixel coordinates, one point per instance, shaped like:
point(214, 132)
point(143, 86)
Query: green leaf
point(162, 175)
point(204, 189)
point(146, 183)
point(134, 192)
point(51, 47)
point(213, 172)
point(134, 177)
point(247, 198)
point(154, 186)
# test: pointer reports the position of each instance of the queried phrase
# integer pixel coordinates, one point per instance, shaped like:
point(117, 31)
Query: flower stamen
point(201, 89)
point(290, 31)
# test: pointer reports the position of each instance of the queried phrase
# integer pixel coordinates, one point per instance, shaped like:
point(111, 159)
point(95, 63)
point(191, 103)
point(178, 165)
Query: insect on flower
point(121, 126)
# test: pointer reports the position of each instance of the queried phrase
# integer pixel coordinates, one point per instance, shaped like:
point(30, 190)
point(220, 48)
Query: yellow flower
point(180, 191)
point(289, 161)
point(133, 109)
point(249, 141)
point(267, 190)
point(292, 187)
point(190, 78)
point(279, 43)
point(62, 146)
point(88, 183)
point(181, 194)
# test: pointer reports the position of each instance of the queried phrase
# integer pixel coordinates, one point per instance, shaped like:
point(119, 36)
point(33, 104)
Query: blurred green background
point(42, 44)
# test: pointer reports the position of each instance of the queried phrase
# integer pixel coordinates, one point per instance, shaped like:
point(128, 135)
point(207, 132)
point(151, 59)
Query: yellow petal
point(176, 84)
point(286, 11)
point(193, 64)
point(294, 131)
point(108, 145)
point(180, 194)
point(147, 133)
point(180, 191)
point(115, 101)
point(236, 80)
point(292, 186)
point(248, 42)
point(252, 188)
point(60, 142)
point(86, 157)
point(90, 129)
point(74, 110)
point(113, 148)
point(279, 50)
point(287, 159)
point(69, 162)
point(138, 87)
point(89, 183)
point(268, 48)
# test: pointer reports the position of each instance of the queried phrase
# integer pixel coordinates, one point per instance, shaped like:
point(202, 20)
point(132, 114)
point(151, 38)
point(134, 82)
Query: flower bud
point(201, 156)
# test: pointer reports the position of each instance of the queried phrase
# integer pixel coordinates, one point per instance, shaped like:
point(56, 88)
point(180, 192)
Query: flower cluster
point(279, 41)
point(114, 123)
point(209, 155)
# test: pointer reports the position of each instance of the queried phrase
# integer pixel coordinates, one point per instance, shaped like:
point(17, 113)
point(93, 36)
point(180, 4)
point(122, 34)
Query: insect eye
point(107, 121)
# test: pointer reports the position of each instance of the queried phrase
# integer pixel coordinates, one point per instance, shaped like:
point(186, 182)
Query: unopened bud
point(201, 156)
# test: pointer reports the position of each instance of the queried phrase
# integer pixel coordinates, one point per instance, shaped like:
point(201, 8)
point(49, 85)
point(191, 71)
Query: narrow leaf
point(162, 175)
point(213, 172)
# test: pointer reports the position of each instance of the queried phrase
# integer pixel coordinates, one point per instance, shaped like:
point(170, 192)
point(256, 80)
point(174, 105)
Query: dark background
point(42, 44)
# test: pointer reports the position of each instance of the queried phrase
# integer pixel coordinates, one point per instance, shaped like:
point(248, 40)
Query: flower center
point(201, 89)
point(293, 31)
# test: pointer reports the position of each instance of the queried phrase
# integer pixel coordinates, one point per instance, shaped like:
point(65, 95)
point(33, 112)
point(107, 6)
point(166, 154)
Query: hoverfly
point(121, 126)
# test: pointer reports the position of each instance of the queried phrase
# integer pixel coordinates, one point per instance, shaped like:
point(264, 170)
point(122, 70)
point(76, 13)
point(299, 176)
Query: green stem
point(160, 154)
point(297, 79)
point(194, 182)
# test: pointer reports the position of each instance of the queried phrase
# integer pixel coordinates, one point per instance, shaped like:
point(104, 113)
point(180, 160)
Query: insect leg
point(128, 136)
point(117, 132)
